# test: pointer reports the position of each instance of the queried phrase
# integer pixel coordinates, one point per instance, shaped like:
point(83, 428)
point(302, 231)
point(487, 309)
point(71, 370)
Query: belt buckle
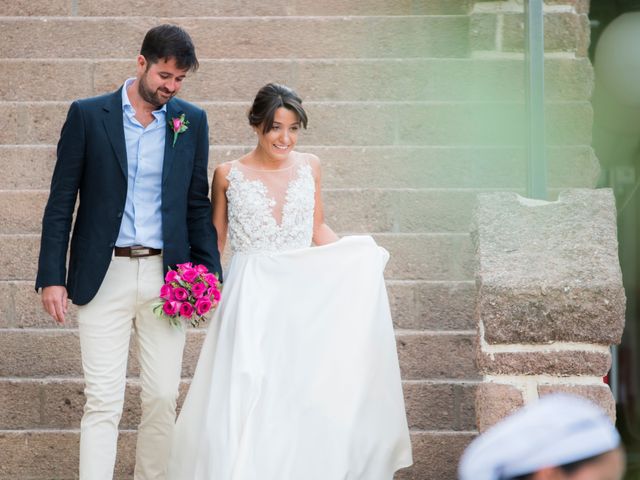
point(140, 252)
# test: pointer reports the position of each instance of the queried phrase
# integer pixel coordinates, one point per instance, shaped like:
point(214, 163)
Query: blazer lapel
point(113, 123)
point(168, 142)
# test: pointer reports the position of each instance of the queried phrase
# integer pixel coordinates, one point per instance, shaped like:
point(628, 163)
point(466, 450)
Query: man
point(559, 437)
point(138, 160)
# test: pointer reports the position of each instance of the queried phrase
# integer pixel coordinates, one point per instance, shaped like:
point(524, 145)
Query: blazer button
point(119, 214)
point(112, 244)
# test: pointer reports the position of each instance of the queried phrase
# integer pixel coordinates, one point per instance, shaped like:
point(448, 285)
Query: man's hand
point(54, 301)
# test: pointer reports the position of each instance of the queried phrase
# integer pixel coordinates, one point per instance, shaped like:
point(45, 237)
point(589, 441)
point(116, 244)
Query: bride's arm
point(219, 202)
point(322, 233)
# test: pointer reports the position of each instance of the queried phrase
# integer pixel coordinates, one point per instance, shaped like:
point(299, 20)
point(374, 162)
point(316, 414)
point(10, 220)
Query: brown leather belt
point(136, 251)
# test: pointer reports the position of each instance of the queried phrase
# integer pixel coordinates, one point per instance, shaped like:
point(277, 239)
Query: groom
point(137, 158)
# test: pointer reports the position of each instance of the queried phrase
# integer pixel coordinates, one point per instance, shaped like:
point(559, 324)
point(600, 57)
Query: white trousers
point(124, 302)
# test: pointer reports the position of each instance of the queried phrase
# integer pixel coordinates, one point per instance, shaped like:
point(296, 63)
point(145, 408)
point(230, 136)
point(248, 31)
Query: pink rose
point(184, 266)
point(170, 308)
point(189, 275)
point(170, 276)
point(180, 294)
point(186, 310)
point(166, 292)
point(177, 124)
point(211, 279)
point(201, 269)
point(213, 292)
point(203, 305)
point(198, 289)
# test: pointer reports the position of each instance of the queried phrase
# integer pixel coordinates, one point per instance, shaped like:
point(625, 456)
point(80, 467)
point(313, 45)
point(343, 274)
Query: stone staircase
point(398, 98)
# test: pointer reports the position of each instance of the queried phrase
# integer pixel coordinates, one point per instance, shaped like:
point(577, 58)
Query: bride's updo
point(271, 97)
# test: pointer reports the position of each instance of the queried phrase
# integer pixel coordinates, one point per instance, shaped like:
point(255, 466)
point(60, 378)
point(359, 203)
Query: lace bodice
point(270, 210)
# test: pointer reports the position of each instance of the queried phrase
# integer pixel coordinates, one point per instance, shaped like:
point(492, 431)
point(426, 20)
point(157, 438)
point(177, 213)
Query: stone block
point(427, 257)
point(9, 123)
point(563, 32)
point(580, 6)
point(350, 124)
point(25, 80)
point(230, 8)
point(21, 212)
point(441, 7)
point(46, 455)
point(40, 353)
point(27, 8)
point(58, 404)
point(572, 167)
point(21, 405)
point(386, 79)
point(406, 211)
point(568, 124)
point(482, 32)
point(559, 363)
point(418, 305)
point(45, 122)
point(435, 455)
point(440, 406)
point(436, 356)
point(316, 37)
point(549, 271)
point(20, 307)
point(26, 167)
point(599, 394)
point(495, 401)
point(19, 257)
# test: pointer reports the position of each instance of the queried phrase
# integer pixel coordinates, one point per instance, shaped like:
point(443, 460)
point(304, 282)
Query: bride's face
point(278, 142)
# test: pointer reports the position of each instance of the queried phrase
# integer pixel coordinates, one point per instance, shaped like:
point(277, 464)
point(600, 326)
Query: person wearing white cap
point(559, 437)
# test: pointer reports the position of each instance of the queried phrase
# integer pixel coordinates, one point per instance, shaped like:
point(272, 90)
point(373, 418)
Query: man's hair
point(169, 41)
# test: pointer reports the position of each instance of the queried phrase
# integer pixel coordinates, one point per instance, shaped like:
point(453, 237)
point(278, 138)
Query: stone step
point(413, 256)
point(415, 305)
point(396, 79)
point(29, 167)
point(230, 8)
point(43, 455)
point(236, 37)
point(349, 123)
point(39, 353)
point(346, 210)
point(58, 404)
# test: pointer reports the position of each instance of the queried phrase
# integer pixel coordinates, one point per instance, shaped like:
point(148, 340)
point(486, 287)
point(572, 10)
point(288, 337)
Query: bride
point(298, 377)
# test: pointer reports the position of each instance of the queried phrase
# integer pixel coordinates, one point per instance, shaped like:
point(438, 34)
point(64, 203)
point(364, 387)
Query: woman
point(298, 377)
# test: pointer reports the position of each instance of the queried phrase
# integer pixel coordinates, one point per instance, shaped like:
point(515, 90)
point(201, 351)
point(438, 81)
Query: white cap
point(553, 431)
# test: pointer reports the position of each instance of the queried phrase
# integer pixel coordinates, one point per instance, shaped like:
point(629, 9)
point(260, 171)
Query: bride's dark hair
point(271, 97)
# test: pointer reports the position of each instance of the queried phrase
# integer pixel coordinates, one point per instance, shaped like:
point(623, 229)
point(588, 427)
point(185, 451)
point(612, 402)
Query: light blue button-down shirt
point(142, 218)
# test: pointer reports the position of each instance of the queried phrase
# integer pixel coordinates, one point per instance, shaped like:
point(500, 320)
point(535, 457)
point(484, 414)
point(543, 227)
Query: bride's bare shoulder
point(220, 174)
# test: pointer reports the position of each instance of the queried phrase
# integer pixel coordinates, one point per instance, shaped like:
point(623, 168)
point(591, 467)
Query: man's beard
point(151, 97)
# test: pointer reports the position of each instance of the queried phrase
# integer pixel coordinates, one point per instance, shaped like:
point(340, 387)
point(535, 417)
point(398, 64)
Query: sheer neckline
point(294, 163)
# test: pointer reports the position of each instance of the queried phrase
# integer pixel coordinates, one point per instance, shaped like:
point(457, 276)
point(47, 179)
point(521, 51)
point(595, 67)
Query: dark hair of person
point(169, 41)
point(271, 97)
point(567, 468)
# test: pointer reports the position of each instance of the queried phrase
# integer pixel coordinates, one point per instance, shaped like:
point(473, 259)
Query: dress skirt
point(298, 377)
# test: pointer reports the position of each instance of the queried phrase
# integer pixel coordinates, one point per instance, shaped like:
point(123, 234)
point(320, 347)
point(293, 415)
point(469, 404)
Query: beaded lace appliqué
point(252, 226)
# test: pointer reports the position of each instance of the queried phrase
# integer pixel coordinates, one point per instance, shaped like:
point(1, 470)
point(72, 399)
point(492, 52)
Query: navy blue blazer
point(92, 164)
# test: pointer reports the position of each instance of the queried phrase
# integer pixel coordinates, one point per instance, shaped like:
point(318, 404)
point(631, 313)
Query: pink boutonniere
point(178, 125)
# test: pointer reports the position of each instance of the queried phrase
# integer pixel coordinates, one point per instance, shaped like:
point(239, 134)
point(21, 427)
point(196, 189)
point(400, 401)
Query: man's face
point(159, 82)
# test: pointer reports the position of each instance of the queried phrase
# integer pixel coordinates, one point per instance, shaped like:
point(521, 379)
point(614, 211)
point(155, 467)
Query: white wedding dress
point(298, 377)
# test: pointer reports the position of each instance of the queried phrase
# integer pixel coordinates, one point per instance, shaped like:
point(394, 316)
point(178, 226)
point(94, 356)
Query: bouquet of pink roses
point(189, 293)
